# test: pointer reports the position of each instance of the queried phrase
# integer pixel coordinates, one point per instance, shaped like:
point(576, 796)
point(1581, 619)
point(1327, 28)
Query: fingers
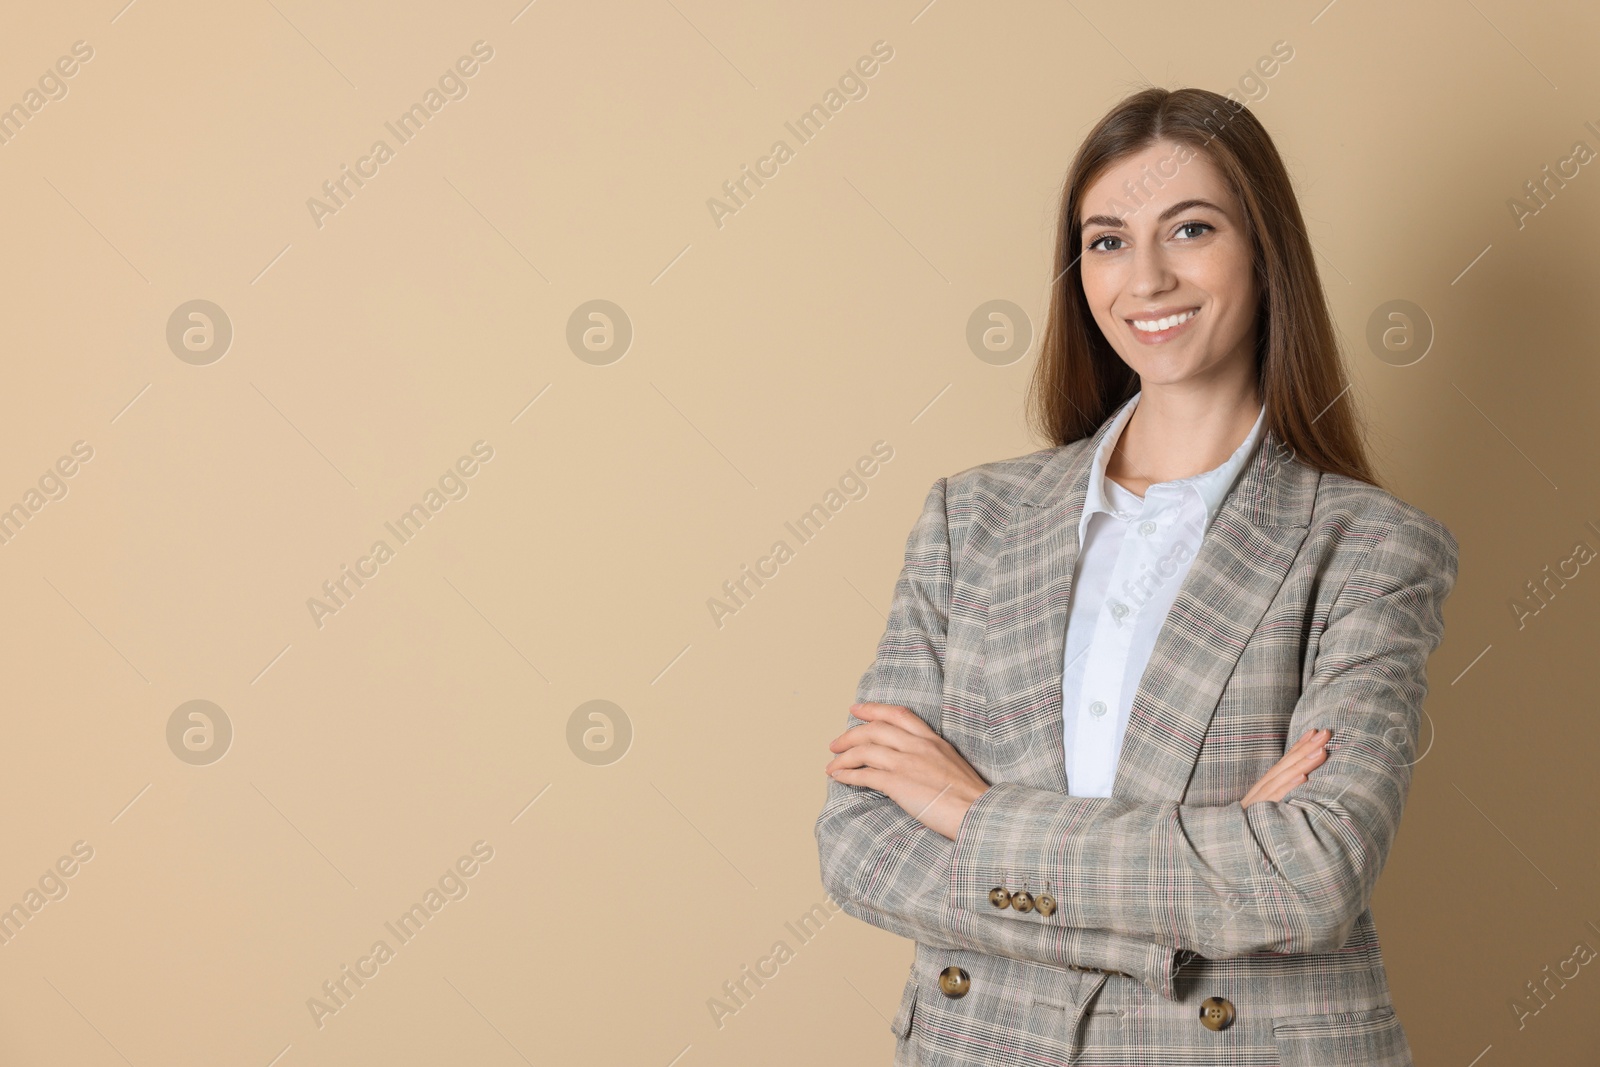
point(1295, 766)
point(879, 757)
point(866, 777)
point(1312, 742)
point(885, 734)
point(887, 724)
point(1310, 739)
point(853, 776)
point(1303, 757)
point(900, 716)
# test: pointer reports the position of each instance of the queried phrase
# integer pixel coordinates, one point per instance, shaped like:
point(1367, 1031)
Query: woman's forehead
point(1155, 178)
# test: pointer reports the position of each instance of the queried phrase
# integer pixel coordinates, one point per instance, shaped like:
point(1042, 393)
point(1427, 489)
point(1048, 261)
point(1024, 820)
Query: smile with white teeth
point(1167, 323)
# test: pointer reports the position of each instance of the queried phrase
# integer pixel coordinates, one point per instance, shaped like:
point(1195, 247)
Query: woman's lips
point(1163, 336)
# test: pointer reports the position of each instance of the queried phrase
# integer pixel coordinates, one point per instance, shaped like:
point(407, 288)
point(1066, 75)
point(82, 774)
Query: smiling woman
point(1141, 725)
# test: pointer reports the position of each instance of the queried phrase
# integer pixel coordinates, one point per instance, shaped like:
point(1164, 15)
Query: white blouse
point(1133, 554)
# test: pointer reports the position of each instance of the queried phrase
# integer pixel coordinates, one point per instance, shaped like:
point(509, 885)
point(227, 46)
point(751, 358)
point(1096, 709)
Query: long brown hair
point(1079, 380)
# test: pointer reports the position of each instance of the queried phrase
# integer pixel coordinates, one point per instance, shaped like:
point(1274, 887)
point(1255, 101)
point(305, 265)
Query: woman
point(1138, 734)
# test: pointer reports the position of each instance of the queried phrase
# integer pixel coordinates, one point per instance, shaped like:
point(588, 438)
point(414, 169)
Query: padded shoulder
point(1353, 509)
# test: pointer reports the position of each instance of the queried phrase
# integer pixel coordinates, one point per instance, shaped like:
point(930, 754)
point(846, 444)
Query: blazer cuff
point(974, 875)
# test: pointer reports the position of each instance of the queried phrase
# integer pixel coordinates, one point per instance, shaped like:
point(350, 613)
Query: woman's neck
point(1169, 437)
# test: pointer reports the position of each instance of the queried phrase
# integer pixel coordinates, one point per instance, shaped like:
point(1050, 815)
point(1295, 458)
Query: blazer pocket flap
point(901, 1023)
point(1372, 1037)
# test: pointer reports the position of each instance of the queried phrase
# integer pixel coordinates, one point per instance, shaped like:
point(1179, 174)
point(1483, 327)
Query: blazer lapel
point(1241, 563)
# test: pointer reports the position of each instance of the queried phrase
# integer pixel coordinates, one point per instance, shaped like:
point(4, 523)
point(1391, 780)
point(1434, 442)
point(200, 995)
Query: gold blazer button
point(999, 896)
point(954, 982)
point(1046, 905)
point(1216, 1013)
point(1022, 901)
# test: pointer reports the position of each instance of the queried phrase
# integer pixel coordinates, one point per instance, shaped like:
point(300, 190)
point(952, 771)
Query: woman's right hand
point(1306, 755)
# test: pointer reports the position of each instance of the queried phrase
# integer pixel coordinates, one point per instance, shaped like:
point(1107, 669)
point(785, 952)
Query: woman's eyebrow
point(1176, 209)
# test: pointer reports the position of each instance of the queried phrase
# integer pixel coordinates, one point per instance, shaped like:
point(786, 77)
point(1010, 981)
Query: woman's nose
point(1152, 270)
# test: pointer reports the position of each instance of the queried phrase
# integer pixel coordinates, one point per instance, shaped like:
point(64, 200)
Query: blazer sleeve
point(1291, 876)
point(883, 866)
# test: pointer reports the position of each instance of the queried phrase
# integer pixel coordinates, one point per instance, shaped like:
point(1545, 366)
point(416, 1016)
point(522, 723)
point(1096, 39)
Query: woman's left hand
point(897, 754)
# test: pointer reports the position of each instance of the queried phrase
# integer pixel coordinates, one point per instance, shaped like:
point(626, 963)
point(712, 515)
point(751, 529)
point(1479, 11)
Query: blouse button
point(1097, 708)
point(1147, 528)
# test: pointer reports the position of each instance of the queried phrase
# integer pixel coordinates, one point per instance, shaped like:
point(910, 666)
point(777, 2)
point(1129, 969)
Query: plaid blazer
point(1186, 928)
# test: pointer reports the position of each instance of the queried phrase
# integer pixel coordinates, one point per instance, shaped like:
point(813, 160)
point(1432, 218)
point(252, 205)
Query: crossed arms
point(1142, 887)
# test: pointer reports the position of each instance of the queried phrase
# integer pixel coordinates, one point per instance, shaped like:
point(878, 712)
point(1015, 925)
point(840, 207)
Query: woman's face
point(1163, 238)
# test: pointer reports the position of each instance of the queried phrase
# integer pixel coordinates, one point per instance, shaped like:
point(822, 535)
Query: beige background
point(431, 312)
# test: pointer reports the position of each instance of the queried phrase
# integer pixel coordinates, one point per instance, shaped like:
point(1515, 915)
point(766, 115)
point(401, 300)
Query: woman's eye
point(1203, 227)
